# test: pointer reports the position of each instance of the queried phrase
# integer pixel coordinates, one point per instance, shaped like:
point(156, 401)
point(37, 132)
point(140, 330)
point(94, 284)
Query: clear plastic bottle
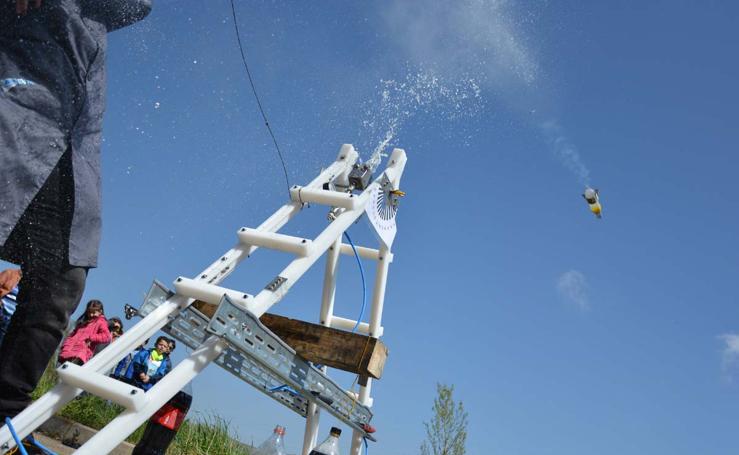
point(274, 445)
point(330, 446)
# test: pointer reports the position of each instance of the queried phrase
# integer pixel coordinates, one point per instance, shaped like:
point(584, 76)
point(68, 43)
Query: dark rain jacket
point(52, 99)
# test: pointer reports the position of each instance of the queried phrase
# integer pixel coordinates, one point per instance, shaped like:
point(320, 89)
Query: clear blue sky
point(562, 334)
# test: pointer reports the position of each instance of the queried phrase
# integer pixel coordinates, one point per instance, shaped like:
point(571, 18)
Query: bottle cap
point(280, 430)
point(335, 431)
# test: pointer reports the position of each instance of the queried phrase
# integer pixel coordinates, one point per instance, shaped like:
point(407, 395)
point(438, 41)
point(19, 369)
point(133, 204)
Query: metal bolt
point(204, 276)
point(64, 367)
point(242, 229)
point(179, 279)
point(223, 258)
point(134, 391)
point(303, 241)
point(246, 296)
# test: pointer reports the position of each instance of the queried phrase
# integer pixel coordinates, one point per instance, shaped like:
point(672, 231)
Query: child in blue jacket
point(150, 365)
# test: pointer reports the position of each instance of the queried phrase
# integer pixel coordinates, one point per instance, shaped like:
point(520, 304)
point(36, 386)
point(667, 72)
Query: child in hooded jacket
point(150, 365)
point(91, 330)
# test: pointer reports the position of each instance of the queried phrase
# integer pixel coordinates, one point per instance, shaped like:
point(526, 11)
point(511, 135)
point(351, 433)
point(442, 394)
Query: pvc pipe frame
point(117, 430)
point(384, 257)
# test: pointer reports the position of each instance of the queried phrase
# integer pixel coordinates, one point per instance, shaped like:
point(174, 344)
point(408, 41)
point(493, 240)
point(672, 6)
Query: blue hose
point(40, 446)
point(286, 388)
point(364, 284)
point(18, 441)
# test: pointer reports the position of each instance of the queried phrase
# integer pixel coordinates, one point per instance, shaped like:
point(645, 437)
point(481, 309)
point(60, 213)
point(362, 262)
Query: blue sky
point(562, 334)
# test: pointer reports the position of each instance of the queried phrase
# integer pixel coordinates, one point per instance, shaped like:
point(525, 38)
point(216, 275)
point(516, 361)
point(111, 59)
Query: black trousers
point(50, 289)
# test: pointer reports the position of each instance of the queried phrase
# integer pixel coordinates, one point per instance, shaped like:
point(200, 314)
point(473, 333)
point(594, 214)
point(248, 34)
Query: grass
point(204, 435)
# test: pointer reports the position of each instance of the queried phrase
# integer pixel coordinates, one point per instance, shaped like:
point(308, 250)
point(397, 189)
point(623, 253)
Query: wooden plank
point(321, 345)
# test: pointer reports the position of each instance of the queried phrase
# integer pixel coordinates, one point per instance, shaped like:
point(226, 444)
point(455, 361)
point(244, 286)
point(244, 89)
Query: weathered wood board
point(321, 345)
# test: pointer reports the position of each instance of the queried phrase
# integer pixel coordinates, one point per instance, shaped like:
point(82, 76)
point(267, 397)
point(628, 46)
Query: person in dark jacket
point(52, 98)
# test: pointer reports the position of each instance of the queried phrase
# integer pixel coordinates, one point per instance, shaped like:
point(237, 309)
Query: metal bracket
point(275, 284)
point(189, 327)
point(157, 295)
point(255, 346)
point(260, 358)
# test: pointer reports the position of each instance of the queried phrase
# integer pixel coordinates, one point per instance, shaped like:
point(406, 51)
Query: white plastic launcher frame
point(234, 338)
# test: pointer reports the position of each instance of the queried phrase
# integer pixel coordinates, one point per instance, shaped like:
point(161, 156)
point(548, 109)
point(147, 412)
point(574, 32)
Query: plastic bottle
point(164, 424)
point(274, 445)
point(330, 446)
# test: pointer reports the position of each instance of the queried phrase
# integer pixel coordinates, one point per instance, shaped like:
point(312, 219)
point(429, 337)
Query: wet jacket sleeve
point(117, 14)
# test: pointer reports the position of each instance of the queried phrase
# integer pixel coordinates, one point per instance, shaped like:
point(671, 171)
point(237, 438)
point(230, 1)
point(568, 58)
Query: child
point(91, 330)
point(149, 366)
point(124, 370)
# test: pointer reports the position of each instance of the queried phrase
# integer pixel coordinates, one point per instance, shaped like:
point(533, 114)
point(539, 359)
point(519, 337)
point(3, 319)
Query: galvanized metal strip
point(246, 334)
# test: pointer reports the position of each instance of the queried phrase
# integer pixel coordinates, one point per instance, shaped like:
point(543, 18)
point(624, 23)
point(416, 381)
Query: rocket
point(591, 197)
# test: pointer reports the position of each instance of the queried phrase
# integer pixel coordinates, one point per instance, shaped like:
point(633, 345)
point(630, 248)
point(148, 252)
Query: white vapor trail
point(565, 151)
point(488, 41)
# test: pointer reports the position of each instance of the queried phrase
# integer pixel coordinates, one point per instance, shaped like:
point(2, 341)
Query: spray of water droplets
point(418, 92)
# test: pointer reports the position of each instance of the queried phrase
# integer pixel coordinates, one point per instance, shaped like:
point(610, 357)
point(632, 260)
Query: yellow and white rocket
point(591, 196)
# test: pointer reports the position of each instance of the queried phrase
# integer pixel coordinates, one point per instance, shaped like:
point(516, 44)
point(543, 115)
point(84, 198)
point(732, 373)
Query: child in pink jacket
point(91, 329)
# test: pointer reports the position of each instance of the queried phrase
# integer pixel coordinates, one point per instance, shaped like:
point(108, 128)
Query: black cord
point(254, 90)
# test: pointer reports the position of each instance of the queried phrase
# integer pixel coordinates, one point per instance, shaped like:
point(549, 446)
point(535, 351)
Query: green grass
point(206, 435)
point(203, 435)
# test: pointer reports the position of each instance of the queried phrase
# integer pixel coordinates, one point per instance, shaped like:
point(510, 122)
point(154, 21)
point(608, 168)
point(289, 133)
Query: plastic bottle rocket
point(274, 445)
point(330, 446)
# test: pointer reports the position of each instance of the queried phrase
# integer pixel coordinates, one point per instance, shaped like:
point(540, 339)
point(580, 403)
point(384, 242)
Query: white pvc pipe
point(329, 284)
point(378, 301)
point(349, 324)
point(325, 197)
point(378, 294)
point(209, 293)
point(119, 428)
point(275, 241)
point(313, 416)
point(45, 407)
point(364, 252)
point(102, 385)
point(364, 398)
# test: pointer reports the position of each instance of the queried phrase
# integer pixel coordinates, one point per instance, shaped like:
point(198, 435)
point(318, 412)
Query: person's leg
point(49, 291)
